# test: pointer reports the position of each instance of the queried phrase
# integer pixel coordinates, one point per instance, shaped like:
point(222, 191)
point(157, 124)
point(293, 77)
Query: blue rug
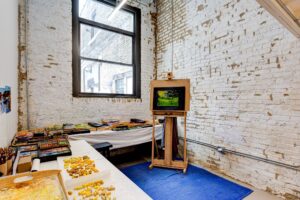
point(197, 183)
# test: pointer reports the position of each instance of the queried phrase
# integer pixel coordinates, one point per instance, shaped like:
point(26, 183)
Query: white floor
point(261, 195)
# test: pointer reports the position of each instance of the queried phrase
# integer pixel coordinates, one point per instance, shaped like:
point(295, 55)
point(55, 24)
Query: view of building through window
point(106, 56)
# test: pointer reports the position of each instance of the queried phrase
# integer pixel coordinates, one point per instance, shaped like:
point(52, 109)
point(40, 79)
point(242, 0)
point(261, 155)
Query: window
point(106, 52)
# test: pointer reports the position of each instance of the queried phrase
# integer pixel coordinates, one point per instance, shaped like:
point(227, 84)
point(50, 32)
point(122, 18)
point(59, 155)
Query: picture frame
point(5, 99)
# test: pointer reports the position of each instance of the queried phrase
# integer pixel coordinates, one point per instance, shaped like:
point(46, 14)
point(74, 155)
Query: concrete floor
point(256, 194)
point(261, 195)
point(134, 158)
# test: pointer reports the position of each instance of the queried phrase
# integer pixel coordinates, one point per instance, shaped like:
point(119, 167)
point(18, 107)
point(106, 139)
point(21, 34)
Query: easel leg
point(184, 146)
point(168, 140)
point(153, 140)
point(168, 161)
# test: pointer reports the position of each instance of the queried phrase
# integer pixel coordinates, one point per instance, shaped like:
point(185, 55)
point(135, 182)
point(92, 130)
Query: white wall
point(8, 66)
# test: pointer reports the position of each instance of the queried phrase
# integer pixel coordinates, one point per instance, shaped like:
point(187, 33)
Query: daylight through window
point(106, 53)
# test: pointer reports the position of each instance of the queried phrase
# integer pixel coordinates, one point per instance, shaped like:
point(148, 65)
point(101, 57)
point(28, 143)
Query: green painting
point(168, 98)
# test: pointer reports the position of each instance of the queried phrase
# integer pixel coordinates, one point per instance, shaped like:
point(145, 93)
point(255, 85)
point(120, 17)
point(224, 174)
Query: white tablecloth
point(120, 139)
point(125, 188)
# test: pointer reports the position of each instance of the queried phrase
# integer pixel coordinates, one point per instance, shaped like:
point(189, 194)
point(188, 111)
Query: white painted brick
point(245, 87)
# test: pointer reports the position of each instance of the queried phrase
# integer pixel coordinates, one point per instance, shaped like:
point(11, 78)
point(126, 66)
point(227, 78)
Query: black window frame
point(136, 50)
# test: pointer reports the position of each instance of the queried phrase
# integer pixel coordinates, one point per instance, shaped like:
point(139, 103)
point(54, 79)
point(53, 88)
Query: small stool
point(103, 148)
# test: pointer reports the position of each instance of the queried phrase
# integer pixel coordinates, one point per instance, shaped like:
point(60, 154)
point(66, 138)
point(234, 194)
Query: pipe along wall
point(223, 150)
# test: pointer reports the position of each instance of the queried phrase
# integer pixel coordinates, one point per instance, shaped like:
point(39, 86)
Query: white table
point(124, 186)
point(120, 139)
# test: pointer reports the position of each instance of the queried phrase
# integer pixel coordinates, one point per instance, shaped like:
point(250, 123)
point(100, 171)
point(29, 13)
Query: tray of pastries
point(76, 167)
point(43, 185)
point(97, 186)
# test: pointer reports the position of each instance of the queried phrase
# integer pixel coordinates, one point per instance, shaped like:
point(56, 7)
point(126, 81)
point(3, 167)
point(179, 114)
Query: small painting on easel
point(5, 99)
point(169, 98)
point(170, 95)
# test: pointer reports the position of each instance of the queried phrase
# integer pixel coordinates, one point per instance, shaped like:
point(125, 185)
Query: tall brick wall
point(49, 69)
point(244, 68)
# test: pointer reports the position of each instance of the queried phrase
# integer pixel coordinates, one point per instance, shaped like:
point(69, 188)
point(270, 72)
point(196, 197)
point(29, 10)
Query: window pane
point(105, 45)
point(99, 12)
point(98, 77)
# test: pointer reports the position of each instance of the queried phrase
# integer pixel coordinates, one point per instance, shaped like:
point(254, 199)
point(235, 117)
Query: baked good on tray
point(45, 188)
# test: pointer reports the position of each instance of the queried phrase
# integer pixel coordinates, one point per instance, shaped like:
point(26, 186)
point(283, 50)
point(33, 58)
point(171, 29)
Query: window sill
point(109, 96)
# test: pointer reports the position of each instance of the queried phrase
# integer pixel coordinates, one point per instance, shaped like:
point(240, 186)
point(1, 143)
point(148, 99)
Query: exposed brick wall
point(244, 68)
point(49, 69)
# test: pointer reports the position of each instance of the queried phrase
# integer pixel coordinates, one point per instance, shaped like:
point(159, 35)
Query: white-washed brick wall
point(49, 73)
point(244, 68)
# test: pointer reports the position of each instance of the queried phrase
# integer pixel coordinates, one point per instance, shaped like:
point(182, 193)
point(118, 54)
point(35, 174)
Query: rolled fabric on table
point(36, 165)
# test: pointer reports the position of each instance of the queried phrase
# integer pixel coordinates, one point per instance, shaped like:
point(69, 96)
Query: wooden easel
point(168, 161)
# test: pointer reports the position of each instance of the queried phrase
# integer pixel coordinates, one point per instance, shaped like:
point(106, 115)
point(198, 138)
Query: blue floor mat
point(197, 183)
